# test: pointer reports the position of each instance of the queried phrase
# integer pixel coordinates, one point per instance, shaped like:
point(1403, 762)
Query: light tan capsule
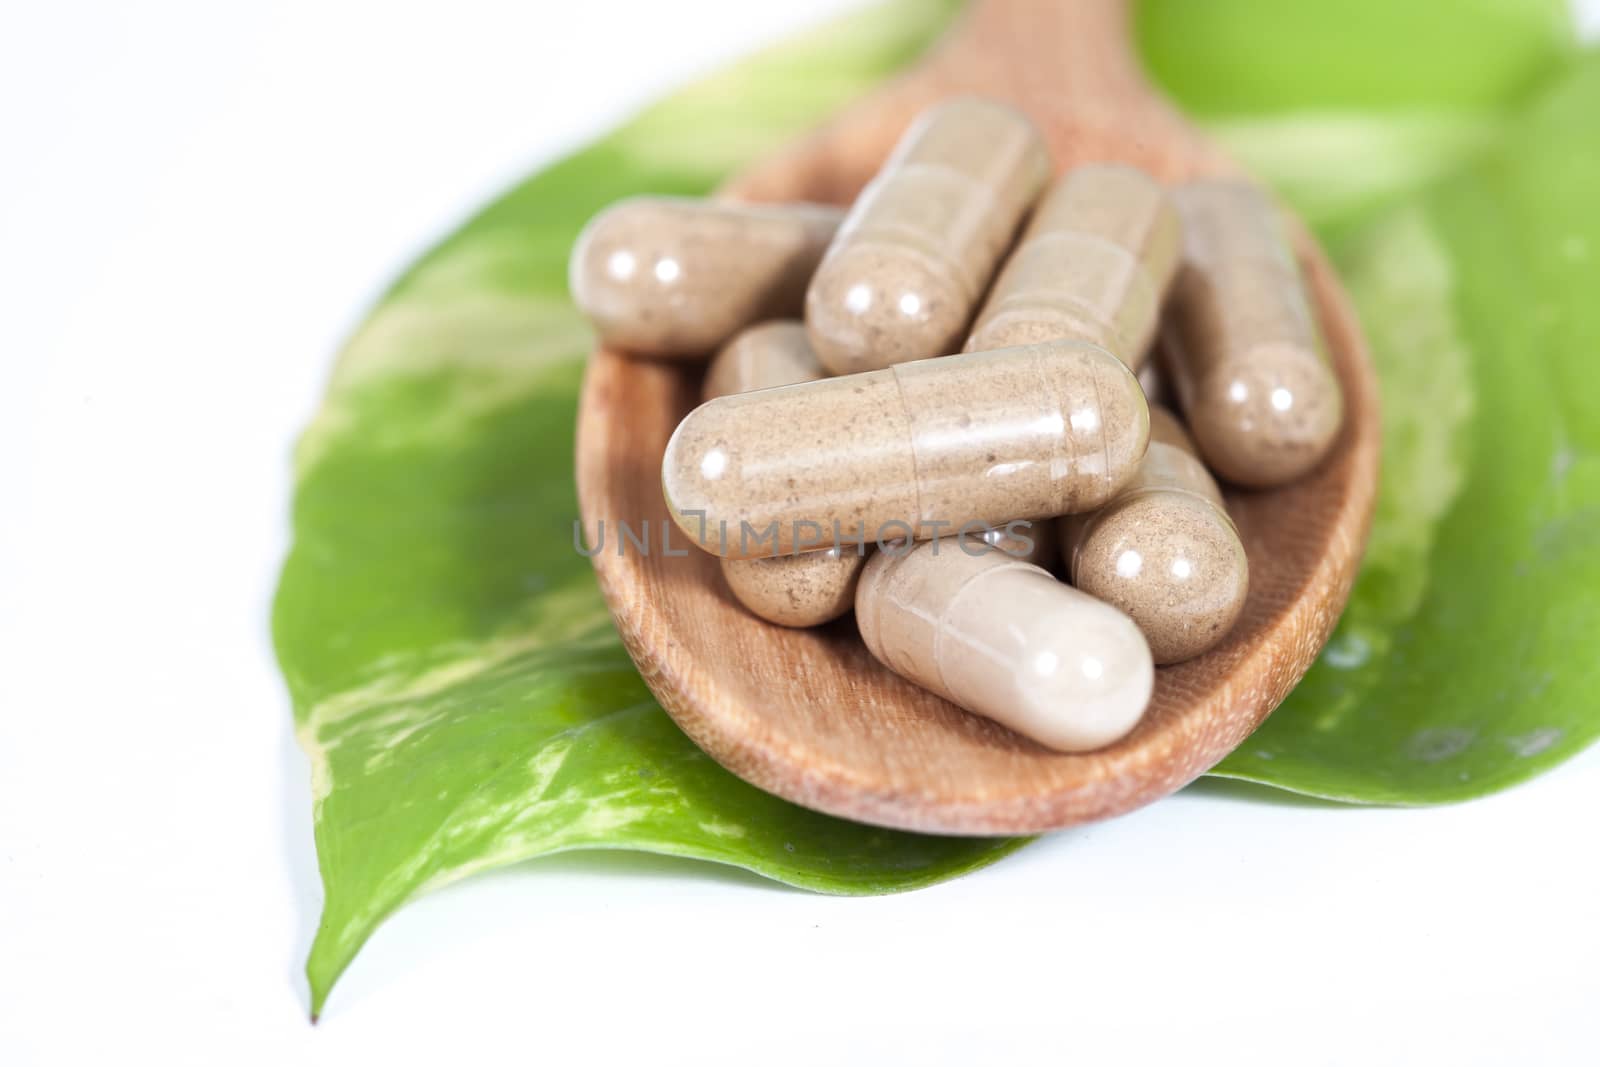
point(764, 356)
point(913, 257)
point(803, 590)
point(1004, 639)
point(918, 449)
point(1247, 360)
point(1165, 550)
point(794, 590)
point(673, 277)
point(1094, 264)
point(817, 587)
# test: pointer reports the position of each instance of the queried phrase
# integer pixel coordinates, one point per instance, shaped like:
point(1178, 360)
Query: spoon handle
point(1077, 49)
point(1072, 66)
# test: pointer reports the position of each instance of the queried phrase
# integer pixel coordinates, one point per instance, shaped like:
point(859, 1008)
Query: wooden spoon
point(808, 714)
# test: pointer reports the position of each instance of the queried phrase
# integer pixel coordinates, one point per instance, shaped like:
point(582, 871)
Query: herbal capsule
point(1004, 639)
point(917, 450)
point(818, 587)
point(1165, 550)
point(763, 357)
point(672, 277)
point(1094, 264)
point(803, 590)
point(1247, 360)
point(794, 590)
point(913, 257)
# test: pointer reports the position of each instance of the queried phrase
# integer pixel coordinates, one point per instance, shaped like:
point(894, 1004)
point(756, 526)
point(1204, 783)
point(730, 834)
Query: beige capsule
point(1164, 551)
point(913, 257)
point(1004, 639)
point(1094, 264)
point(817, 587)
point(764, 356)
point(801, 590)
point(795, 590)
point(674, 278)
point(1247, 360)
point(917, 450)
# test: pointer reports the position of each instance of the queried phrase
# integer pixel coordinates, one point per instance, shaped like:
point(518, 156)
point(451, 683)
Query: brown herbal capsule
point(1005, 640)
point(794, 590)
point(818, 587)
point(913, 257)
point(804, 590)
point(1094, 264)
point(764, 356)
point(919, 449)
point(1246, 357)
point(674, 277)
point(1165, 550)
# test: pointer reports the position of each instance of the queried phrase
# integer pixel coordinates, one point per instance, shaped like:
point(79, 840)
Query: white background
point(197, 200)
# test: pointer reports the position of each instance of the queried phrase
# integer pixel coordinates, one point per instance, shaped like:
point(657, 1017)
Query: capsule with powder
point(674, 278)
point(1093, 264)
point(1006, 640)
point(795, 590)
point(1164, 551)
point(912, 259)
point(801, 590)
point(1247, 360)
point(916, 450)
point(764, 356)
point(817, 587)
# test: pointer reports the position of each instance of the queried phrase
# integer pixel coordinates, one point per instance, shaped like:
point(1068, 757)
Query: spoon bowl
point(808, 714)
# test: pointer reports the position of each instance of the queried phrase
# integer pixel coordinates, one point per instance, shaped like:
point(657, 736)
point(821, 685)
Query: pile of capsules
point(851, 460)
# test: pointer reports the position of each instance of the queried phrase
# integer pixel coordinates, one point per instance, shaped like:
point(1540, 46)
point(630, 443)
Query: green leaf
point(1337, 167)
point(1450, 675)
point(1466, 660)
point(456, 680)
point(1256, 57)
point(1345, 107)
